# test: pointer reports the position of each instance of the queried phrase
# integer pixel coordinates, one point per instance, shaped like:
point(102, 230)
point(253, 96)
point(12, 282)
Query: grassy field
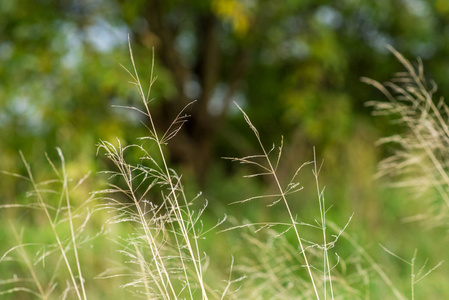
point(283, 227)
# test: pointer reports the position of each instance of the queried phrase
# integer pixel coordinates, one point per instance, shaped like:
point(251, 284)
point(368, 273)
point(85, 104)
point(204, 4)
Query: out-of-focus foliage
point(293, 65)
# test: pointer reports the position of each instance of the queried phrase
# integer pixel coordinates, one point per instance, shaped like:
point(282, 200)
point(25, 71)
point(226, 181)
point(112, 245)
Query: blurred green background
point(294, 66)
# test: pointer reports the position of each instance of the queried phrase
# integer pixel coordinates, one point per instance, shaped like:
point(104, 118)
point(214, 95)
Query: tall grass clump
point(48, 266)
point(164, 255)
point(419, 161)
point(273, 274)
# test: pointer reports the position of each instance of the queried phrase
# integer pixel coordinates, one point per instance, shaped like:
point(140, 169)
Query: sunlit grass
point(144, 236)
